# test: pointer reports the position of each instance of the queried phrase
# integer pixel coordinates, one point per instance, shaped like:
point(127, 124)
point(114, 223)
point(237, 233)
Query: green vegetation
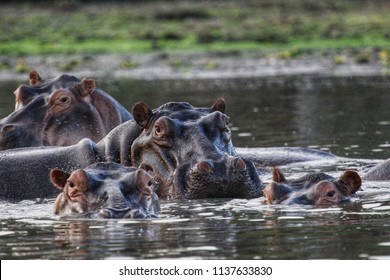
point(287, 26)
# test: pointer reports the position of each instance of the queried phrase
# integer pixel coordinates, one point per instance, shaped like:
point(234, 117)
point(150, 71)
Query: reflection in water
point(208, 229)
point(328, 114)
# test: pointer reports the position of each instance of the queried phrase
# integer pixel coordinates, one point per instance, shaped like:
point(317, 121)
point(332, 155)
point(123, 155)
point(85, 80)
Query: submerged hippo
point(379, 172)
point(105, 190)
point(312, 189)
point(24, 172)
point(188, 149)
point(59, 112)
point(190, 152)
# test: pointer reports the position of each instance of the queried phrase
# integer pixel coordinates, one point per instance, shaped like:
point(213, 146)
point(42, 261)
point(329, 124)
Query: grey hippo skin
point(278, 156)
point(380, 172)
point(59, 112)
point(312, 189)
point(190, 152)
point(105, 190)
point(24, 173)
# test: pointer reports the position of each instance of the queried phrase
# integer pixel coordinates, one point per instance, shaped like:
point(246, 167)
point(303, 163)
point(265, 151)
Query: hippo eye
point(330, 194)
point(64, 99)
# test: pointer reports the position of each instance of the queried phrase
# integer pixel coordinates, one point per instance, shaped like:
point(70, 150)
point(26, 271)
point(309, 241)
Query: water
point(346, 116)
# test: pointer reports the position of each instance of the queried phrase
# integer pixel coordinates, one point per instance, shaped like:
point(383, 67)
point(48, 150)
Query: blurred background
point(290, 27)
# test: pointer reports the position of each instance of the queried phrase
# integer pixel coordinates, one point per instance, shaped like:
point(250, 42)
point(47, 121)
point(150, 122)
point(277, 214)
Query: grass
point(69, 27)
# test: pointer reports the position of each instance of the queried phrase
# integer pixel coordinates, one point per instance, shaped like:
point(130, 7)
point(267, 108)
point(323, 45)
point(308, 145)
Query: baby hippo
point(312, 189)
point(105, 190)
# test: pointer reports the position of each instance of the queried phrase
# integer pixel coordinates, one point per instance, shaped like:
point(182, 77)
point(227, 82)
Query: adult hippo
point(312, 189)
point(379, 172)
point(61, 111)
point(24, 172)
point(105, 190)
point(61, 118)
point(190, 152)
point(187, 149)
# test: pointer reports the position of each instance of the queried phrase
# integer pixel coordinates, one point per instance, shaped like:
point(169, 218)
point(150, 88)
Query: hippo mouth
point(125, 213)
point(137, 212)
point(206, 181)
point(147, 207)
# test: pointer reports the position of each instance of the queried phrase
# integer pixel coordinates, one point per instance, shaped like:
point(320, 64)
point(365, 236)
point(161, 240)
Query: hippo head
point(71, 115)
point(59, 118)
point(190, 152)
point(106, 190)
point(23, 128)
point(312, 189)
point(25, 94)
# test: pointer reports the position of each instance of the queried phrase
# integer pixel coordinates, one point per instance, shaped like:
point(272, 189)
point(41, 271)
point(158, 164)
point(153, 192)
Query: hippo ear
point(351, 180)
point(143, 181)
point(87, 86)
point(58, 178)
point(141, 114)
point(219, 105)
point(34, 77)
point(278, 176)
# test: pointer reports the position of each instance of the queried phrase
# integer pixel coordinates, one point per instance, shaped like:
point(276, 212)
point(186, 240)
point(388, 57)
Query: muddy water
point(346, 116)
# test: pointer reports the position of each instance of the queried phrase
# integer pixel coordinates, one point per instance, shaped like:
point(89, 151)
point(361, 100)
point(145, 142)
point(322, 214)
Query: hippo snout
point(16, 136)
point(7, 136)
point(230, 177)
point(236, 165)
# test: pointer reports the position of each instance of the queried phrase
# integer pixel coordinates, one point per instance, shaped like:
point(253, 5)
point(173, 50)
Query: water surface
point(345, 116)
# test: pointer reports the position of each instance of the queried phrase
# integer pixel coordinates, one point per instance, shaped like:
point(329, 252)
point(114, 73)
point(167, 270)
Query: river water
point(347, 116)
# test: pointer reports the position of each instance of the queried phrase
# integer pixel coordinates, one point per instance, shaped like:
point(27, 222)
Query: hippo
point(105, 190)
point(59, 112)
point(312, 189)
point(187, 149)
point(24, 172)
point(190, 152)
point(379, 172)
point(25, 94)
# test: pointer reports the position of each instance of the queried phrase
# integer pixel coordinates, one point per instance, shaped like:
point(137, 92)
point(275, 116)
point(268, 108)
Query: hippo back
point(24, 173)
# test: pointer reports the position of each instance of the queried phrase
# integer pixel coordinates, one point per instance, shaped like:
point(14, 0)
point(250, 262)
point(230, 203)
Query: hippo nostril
point(239, 165)
point(204, 167)
point(8, 128)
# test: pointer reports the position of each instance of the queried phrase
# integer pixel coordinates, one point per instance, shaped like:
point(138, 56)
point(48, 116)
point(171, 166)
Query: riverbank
point(201, 65)
point(195, 40)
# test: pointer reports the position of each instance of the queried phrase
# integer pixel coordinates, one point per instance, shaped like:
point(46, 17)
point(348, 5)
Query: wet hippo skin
point(187, 149)
point(312, 189)
point(24, 172)
point(190, 152)
point(105, 190)
point(59, 112)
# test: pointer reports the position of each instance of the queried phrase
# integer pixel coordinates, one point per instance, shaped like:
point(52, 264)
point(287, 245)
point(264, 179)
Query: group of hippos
point(71, 140)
